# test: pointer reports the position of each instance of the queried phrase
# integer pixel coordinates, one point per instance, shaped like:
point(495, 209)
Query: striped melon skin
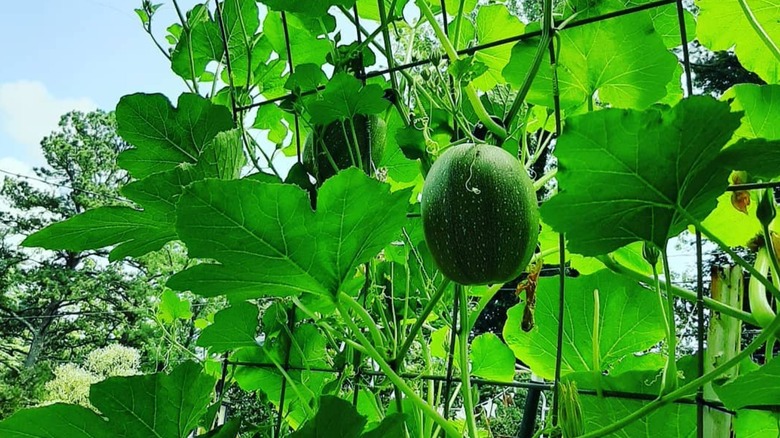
point(480, 215)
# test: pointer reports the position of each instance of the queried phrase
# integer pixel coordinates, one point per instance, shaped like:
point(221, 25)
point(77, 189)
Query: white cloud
point(29, 112)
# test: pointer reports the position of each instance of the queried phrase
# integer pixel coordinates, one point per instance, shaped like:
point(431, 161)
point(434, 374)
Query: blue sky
point(76, 54)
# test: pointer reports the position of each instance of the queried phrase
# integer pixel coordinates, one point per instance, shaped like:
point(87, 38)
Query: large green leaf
point(491, 358)
point(233, 328)
point(137, 232)
point(623, 59)
point(628, 176)
point(56, 421)
point(241, 21)
point(758, 388)
point(629, 256)
point(400, 169)
point(164, 137)
point(369, 9)
point(452, 6)
point(268, 241)
point(723, 25)
point(630, 321)
point(155, 405)
point(494, 23)
point(759, 157)
point(761, 105)
point(756, 424)
point(665, 20)
point(732, 226)
point(335, 417)
point(673, 420)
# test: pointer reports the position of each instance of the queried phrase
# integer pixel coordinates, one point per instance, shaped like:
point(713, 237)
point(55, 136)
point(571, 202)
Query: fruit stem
point(539, 183)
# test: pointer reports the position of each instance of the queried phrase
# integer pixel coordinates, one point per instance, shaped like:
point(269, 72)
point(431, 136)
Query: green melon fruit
point(480, 215)
point(371, 132)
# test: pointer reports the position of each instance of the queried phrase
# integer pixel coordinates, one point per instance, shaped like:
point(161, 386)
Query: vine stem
point(544, 179)
point(765, 38)
point(714, 305)
point(463, 346)
point(596, 339)
point(669, 381)
point(372, 352)
point(367, 320)
point(770, 246)
point(684, 390)
point(458, 22)
point(469, 90)
point(660, 295)
point(309, 411)
point(399, 357)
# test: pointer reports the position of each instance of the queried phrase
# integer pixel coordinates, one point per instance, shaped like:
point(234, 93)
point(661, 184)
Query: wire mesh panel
point(553, 51)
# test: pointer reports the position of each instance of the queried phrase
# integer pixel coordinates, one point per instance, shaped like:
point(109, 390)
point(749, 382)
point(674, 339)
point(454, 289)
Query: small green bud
point(650, 253)
point(766, 210)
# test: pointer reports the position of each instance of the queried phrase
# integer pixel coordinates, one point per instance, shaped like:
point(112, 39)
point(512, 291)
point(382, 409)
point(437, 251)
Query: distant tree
point(716, 72)
point(57, 307)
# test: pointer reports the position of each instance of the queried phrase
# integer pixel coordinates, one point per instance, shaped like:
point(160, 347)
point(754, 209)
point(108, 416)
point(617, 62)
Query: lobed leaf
point(268, 241)
point(622, 59)
point(630, 321)
point(628, 176)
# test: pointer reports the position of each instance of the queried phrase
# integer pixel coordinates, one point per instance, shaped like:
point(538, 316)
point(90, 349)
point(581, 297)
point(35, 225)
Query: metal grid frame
point(698, 400)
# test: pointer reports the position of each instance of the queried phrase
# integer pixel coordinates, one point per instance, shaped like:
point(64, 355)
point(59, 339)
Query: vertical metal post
point(291, 66)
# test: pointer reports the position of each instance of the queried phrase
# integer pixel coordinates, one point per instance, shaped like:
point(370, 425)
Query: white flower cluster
point(70, 385)
point(114, 360)
point(71, 382)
